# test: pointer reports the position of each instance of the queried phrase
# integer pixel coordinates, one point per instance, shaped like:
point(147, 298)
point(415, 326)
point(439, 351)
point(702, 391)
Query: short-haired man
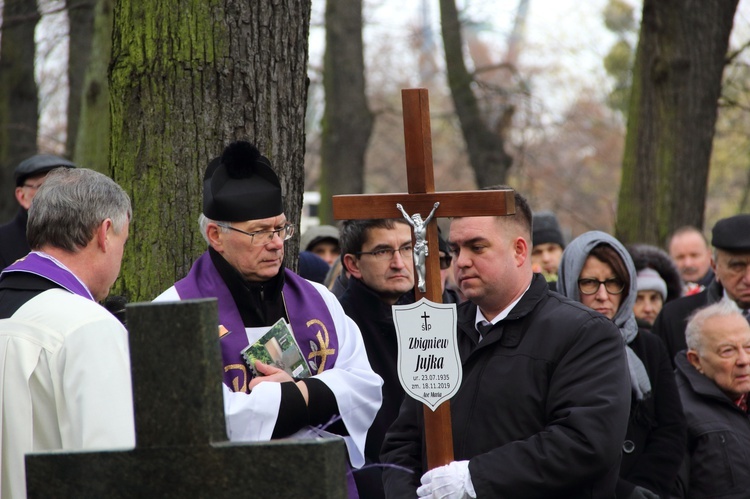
point(29, 176)
point(691, 253)
point(543, 406)
point(378, 256)
point(244, 224)
point(731, 264)
point(66, 369)
point(713, 378)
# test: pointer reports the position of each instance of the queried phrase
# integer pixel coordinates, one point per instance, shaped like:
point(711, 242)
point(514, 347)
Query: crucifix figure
point(422, 198)
point(421, 250)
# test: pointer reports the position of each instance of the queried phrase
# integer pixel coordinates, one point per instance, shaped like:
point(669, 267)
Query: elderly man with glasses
point(29, 176)
point(244, 224)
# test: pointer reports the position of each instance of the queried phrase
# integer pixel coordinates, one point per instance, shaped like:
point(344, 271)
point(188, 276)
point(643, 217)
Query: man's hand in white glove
point(451, 481)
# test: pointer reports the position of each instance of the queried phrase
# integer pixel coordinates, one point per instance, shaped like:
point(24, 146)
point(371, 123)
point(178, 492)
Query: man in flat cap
point(731, 264)
point(244, 224)
point(29, 176)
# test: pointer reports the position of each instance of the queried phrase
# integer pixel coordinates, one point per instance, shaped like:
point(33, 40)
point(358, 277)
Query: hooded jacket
point(655, 441)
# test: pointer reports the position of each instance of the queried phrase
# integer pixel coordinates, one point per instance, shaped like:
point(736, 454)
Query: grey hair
point(71, 204)
point(203, 222)
point(694, 329)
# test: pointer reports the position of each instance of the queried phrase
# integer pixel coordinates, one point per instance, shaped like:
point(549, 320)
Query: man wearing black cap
point(731, 264)
point(548, 246)
point(29, 176)
point(244, 225)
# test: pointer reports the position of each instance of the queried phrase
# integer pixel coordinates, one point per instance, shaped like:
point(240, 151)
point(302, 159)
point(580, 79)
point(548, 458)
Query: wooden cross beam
point(421, 199)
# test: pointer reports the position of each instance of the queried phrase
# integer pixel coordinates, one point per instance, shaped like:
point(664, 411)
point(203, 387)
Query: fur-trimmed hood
point(646, 255)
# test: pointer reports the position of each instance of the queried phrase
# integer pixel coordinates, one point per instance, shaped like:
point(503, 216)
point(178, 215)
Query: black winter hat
point(241, 185)
point(732, 234)
point(40, 163)
point(546, 229)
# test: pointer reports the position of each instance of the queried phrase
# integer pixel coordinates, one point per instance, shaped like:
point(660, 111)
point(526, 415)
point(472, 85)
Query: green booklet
point(278, 348)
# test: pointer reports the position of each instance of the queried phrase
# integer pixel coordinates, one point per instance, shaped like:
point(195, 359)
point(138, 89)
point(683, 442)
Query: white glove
point(451, 481)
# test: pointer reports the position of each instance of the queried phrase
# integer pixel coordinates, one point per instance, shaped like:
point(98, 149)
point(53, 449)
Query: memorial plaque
point(429, 365)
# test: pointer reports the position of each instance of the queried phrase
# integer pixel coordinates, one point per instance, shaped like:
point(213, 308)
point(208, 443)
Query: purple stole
point(45, 266)
point(309, 317)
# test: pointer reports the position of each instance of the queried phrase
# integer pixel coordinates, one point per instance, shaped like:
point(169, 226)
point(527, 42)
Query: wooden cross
point(421, 199)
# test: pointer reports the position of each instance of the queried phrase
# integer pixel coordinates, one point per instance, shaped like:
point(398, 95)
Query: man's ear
point(695, 360)
point(102, 234)
point(213, 233)
point(351, 264)
point(520, 250)
point(23, 198)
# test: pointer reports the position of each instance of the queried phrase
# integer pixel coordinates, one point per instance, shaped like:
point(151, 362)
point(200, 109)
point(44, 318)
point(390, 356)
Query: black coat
point(718, 441)
point(671, 322)
point(542, 408)
point(655, 440)
point(375, 320)
point(13, 243)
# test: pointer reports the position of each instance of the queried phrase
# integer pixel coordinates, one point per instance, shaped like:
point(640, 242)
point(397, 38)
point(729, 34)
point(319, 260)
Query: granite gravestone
point(181, 444)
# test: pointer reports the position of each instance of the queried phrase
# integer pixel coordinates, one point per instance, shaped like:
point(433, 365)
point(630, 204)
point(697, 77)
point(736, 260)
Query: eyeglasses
point(387, 253)
point(591, 286)
point(264, 236)
point(33, 187)
point(445, 262)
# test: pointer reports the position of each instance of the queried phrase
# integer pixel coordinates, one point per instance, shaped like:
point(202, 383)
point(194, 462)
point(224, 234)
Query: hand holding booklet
point(278, 348)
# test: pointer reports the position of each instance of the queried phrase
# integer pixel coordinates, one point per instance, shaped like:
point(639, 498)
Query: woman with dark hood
point(597, 271)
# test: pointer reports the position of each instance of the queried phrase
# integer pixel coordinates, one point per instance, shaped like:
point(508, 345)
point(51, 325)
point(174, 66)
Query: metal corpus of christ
point(426, 353)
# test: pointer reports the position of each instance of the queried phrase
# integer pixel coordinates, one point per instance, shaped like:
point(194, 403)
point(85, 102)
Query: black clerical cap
point(732, 234)
point(40, 163)
point(241, 185)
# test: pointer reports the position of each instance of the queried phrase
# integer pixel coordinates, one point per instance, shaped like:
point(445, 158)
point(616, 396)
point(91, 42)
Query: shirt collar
point(481, 319)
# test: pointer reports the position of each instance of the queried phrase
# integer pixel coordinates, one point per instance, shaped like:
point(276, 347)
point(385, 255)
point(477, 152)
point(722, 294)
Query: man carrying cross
point(544, 402)
point(244, 224)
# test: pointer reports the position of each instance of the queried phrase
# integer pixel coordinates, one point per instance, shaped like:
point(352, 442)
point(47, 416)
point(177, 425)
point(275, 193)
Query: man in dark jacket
point(731, 264)
point(713, 379)
point(543, 406)
point(378, 256)
point(29, 176)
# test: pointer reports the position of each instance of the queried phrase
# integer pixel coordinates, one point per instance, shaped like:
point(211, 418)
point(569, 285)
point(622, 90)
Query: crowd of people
point(590, 368)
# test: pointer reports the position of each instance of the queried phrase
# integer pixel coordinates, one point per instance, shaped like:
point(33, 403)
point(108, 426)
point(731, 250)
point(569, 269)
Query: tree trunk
point(187, 78)
point(80, 37)
point(486, 148)
point(19, 102)
point(676, 87)
point(347, 121)
point(93, 130)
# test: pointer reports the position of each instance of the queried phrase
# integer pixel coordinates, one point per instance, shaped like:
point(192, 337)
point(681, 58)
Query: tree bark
point(347, 121)
point(80, 39)
point(187, 78)
point(486, 148)
point(91, 146)
point(676, 86)
point(19, 101)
